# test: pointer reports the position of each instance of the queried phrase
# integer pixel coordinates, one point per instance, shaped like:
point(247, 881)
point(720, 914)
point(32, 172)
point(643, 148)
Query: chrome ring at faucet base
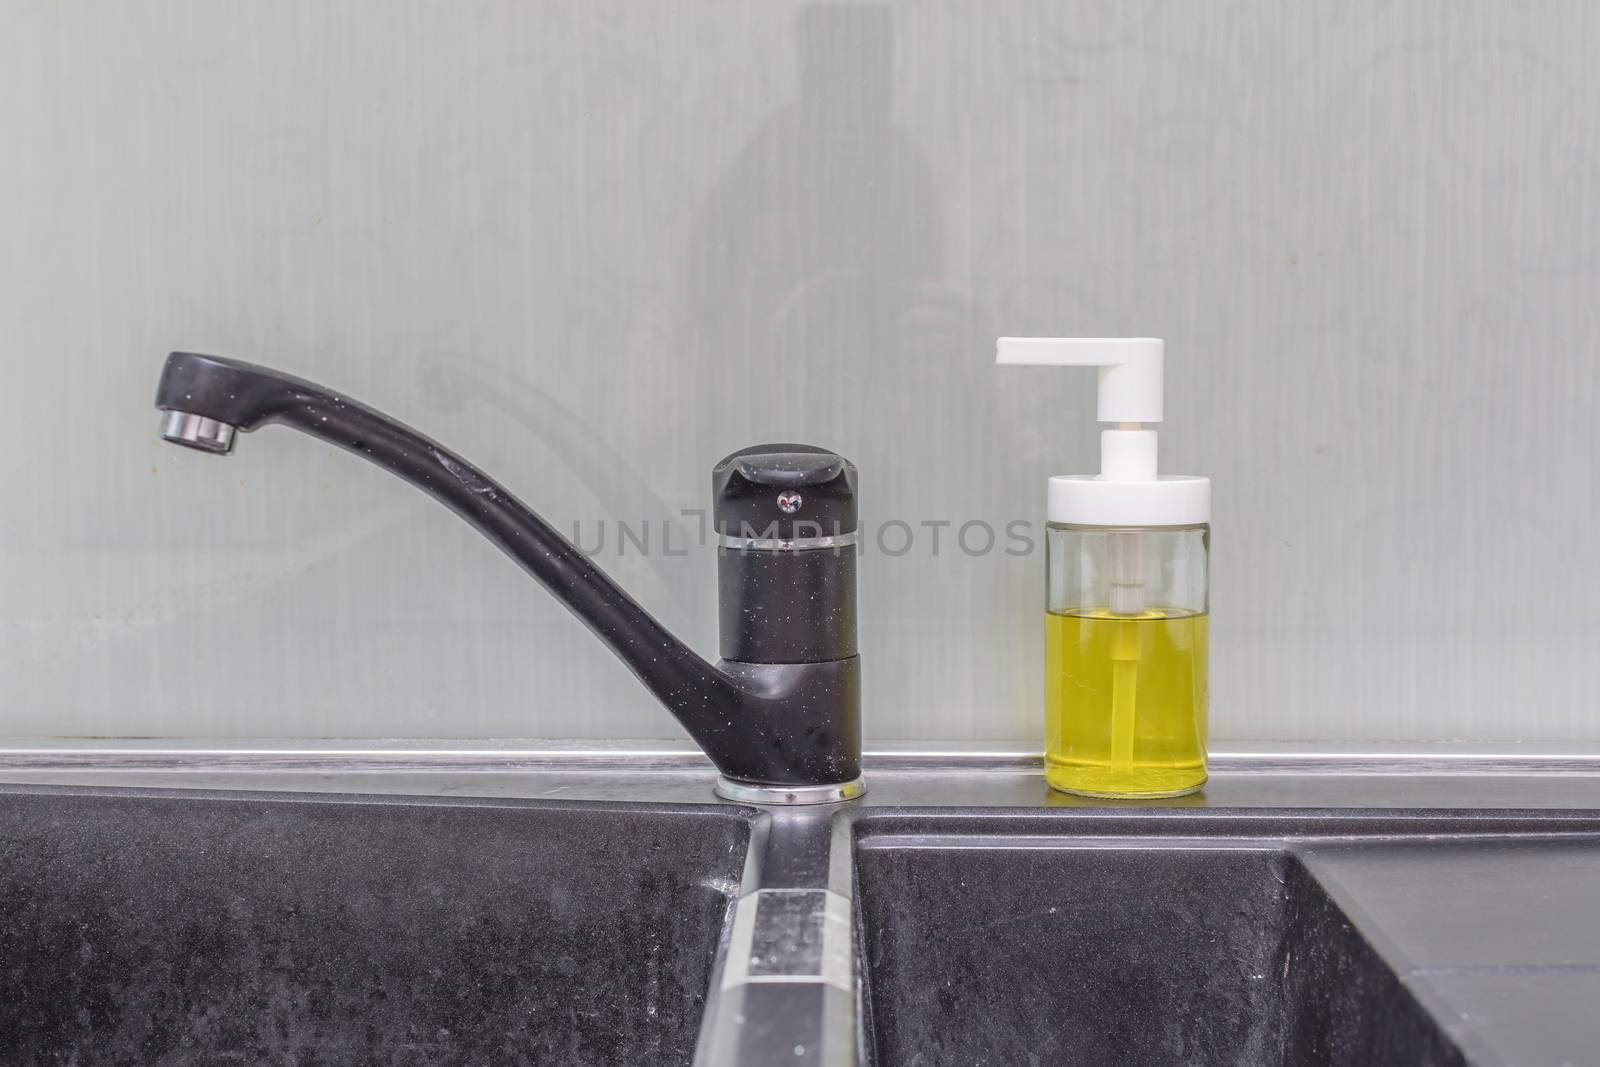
point(847, 539)
point(788, 795)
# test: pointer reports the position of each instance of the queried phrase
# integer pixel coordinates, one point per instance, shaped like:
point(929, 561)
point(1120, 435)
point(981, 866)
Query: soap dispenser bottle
point(1127, 591)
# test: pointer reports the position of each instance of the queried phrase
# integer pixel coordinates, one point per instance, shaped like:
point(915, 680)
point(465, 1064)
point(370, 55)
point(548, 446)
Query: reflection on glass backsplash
point(597, 246)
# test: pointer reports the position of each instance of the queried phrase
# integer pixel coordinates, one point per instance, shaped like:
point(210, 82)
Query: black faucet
point(779, 714)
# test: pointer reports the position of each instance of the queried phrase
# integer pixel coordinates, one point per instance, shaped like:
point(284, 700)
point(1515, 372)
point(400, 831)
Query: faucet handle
point(785, 465)
point(784, 491)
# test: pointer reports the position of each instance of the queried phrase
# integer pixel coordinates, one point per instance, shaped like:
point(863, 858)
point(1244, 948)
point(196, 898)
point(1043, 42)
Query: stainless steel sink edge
point(655, 756)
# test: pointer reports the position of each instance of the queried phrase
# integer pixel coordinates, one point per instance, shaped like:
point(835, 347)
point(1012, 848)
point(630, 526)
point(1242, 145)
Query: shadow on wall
point(816, 264)
point(816, 306)
point(819, 307)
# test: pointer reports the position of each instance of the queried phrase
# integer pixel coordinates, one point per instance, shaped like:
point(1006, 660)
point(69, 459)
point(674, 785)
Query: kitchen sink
point(1080, 947)
point(164, 929)
point(204, 912)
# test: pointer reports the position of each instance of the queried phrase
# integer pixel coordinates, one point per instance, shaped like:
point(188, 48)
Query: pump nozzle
point(1131, 373)
point(1132, 369)
point(1128, 491)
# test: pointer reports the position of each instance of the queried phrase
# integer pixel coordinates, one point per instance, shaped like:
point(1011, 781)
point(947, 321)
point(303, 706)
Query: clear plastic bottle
point(1126, 643)
point(1127, 610)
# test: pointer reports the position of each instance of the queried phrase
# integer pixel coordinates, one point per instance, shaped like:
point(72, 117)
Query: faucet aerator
point(197, 432)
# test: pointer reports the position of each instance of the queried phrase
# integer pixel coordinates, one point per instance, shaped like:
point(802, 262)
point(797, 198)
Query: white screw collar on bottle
point(1128, 491)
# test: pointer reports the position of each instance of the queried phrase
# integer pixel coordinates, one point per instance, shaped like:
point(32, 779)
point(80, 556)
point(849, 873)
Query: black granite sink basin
point(1081, 947)
point(213, 927)
point(149, 929)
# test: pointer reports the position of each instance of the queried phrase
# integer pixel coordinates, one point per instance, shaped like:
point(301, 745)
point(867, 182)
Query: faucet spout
point(792, 727)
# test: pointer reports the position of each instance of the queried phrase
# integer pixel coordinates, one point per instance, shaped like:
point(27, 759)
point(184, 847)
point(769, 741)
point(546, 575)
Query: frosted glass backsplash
point(595, 246)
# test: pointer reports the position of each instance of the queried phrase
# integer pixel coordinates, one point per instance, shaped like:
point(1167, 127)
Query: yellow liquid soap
point(1125, 702)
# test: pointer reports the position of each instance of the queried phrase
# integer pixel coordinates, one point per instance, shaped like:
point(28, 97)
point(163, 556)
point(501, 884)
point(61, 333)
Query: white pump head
point(1131, 369)
point(1128, 490)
